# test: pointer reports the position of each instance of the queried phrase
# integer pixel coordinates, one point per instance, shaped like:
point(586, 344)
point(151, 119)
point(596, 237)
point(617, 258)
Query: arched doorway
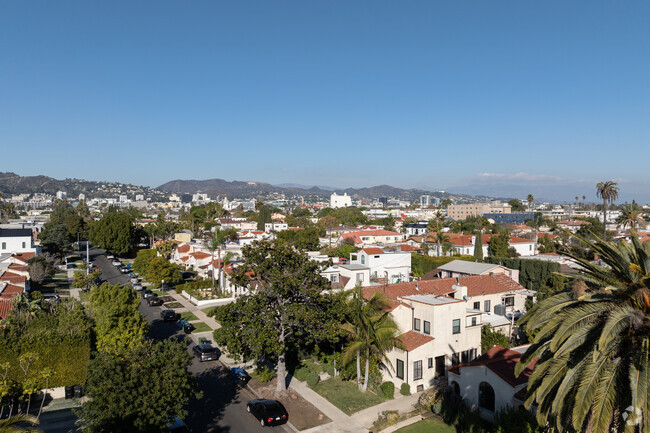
point(486, 396)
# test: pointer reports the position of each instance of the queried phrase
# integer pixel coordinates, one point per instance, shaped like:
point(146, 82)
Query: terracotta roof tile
point(502, 362)
point(412, 340)
point(371, 251)
point(5, 308)
point(199, 255)
point(183, 248)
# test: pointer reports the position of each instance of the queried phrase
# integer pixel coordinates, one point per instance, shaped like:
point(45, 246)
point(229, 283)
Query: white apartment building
point(17, 240)
point(387, 265)
point(460, 212)
point(337, 201)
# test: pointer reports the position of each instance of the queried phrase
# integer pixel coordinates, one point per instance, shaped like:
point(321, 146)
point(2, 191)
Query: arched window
point(455, 388)
point(486, 396)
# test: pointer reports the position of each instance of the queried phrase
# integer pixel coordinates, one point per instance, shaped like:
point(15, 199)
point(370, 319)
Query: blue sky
point(502, 98)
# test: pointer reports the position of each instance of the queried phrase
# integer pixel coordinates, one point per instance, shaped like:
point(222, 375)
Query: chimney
point(461, 291)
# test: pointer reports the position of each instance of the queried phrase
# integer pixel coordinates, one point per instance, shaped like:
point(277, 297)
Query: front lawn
point(200, 327)
point(429, 425)
point(189, 316)
point(346, 396)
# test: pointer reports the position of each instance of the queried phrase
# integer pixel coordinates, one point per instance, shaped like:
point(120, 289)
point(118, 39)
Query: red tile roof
point(199, 255)
point(476, 285)
point(462, 240)
point(5, 308)
point(18, 268)
point(408, 248)
point(10, 291)
point(371, 251)
point(412, 340)
point(10, 277)
point(183, 248)
point(502, 362)
point(23, 257)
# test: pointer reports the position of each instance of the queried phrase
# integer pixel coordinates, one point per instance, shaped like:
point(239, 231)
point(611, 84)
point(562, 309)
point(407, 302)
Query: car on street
point(124, 269)
point(154, 301)
point(135, 280)
point(168, 315)
point(177, 426)
point(110, 256)
point(137, 287)
point(116, 263)
point(146, 292)
point(268, 412)
point(51, 297)
point(205, 352)
point(240, 376)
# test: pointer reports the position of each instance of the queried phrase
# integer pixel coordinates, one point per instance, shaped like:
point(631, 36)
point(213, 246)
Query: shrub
point(301, 373)
point(330, 370)
point(264, 374)
point(312, 379)
point(405, 389)
point(388, 389)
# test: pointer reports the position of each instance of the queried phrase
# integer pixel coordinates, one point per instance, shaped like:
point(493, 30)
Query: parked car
point(154, 301)
point(146, 292)
point(205, 352)
point(116, 263)
point(110, 256)
point(268, 412)
point(125, 270)
point(135, 280)
point(51, 297)
point(177, 426)
point(137, 287)
point(186, 326)
point(169, 315)
point(240, 376)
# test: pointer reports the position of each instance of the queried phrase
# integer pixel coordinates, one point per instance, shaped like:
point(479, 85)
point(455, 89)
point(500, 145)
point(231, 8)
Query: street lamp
point(162, 285)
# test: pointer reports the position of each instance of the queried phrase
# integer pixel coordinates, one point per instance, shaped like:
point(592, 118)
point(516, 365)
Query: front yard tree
point(289, 307)
point(115, 232)
point(140, 390)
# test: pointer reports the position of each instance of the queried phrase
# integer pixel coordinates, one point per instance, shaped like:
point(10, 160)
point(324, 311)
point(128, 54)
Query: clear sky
point(495, 97)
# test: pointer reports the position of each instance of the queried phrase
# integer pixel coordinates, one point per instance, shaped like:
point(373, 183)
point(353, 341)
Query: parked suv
point(205, 352)
point(168, 315)
point(154, 301)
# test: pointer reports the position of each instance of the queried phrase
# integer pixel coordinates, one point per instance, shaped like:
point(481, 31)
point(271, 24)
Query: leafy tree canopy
point(115, 232)
point(516, 205)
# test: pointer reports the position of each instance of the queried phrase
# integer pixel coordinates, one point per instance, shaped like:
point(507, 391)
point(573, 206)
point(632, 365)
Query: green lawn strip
point(200, 327)
point(189, 316)
point(429, 425)
point(346, 396)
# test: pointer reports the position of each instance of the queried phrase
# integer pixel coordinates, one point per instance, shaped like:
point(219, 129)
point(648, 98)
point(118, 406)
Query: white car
point(110, 256)
point(116, 263)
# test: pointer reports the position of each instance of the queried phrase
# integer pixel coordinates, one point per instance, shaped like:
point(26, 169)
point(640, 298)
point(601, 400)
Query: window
point(353, 257)
point(486, 396)
point(23, 244)
point(400, 369)
point(334, 278)
point(430, 363)
point(477, 305)
point(455, 359)
point(473, 321)
point(417, 370)
point(427, 327)
point(486, 306)
point(509, 301)
point(376, 257)
point(456, 326)
point(416, 324)
point(363, 260)
point(359, 277)
point(4, 245)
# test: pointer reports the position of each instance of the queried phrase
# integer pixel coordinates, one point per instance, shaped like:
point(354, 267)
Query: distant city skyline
point(500, 98)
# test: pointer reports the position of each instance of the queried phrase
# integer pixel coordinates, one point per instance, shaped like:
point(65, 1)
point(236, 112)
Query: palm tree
point(593, 344)
point(441, 239)
point(16, 424)
point(372, 331)
point(530, 200)
point(608, 191)
point(631, 216)
point(218, 238)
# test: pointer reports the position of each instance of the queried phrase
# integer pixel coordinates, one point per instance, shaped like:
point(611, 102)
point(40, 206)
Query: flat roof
point(432, 299)
point(465, 267)
point(355, 267)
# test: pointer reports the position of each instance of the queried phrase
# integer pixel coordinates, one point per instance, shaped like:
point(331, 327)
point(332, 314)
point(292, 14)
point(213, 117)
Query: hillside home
point(488, 383)
point(386, 265)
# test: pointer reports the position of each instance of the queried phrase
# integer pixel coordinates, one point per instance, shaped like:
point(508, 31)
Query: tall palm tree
point(631, 216)
point(372, 332)
point(16, 424)
point(593, 345)
point(441, 239)
point(530, 200)
point(608, 191)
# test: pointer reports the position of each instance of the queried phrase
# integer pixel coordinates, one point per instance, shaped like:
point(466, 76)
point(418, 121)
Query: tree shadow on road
point(218, 392)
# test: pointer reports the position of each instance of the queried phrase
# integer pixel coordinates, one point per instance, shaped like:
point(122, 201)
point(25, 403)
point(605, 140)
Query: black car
point(154, 301)
point(205, 352)
point(168, 315)
point(145, 293)
point(268, 412)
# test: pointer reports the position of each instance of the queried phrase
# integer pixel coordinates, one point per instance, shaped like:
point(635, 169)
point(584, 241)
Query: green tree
point(263, 217)
point(119, 326)
point(290, 306)
point(530, 199)
point(491, 338)
point(142, 260)
point(218, 238)
point(593, 344)
point(140, 390)
point(478, 247)
point(631, 217)
point(516, 205)
point(371, 331)
point(328, 222)
point(84, 280)
point(608, 191)
point(159, 270)
point(115, 232)
point(498, 246)
point(303, 239)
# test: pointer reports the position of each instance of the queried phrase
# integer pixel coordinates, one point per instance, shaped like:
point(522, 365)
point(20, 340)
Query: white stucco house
point(17, 240)
point(337, 201)
point(387, 265)
point(488, 383)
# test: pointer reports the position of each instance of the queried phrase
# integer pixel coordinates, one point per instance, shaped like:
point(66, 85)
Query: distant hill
point(11, 183)
point(250, 189)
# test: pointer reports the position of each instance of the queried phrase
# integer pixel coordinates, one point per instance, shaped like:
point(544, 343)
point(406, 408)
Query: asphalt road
point(222, 409)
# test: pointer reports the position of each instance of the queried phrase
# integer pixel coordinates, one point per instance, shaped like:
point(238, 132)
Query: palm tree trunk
point(219, 265)
point(604, 219)
point(47, 380)
point(358, 370)
point(365, 379)
point(212, 271)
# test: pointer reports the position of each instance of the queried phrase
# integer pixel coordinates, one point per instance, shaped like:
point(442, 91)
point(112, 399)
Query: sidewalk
point(194, 309)
point(400, 403)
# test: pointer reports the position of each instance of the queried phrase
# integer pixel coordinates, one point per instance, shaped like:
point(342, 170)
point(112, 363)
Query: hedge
point(312, 379)
point(388, 389)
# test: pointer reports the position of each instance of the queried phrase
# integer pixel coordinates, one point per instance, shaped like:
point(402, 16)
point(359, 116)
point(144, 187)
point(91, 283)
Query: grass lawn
point(346, 396)
point(200, 327)
point(208, 310)
point(188, 315)
point(429, 425)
